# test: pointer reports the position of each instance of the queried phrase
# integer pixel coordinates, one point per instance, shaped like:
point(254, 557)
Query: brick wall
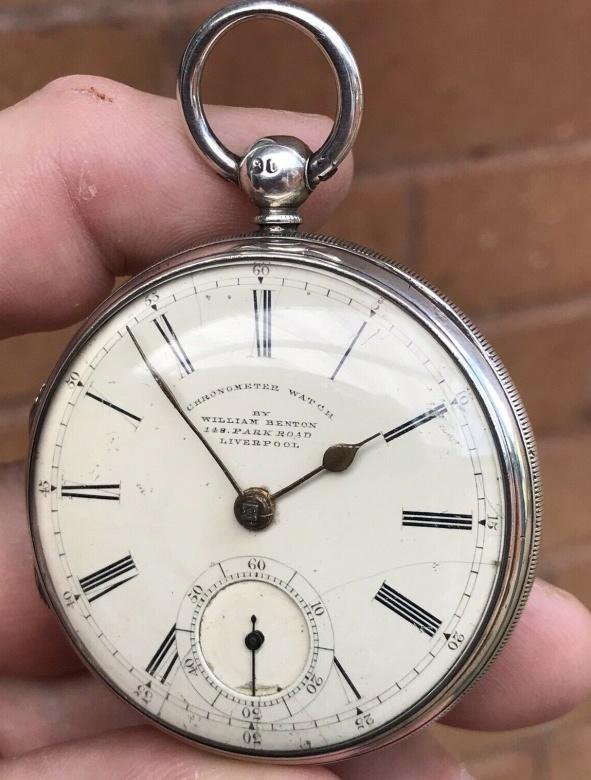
point(473, 166)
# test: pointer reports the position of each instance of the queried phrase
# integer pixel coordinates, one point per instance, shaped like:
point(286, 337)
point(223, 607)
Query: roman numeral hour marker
point(262, 321)
point(165, 329)
point(108, 578)
point(111, 492)
point(436, 520)
point(164, 658)
point(408, 610)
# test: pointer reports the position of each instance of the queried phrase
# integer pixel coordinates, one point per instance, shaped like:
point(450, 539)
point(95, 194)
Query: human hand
point(100, 180)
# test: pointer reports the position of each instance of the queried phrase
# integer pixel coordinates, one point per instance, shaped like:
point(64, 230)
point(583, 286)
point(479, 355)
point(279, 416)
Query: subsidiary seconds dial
point(269, 609)
point(272, 500)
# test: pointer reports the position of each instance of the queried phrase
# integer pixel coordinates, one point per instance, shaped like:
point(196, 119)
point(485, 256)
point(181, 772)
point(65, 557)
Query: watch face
point(270, 506)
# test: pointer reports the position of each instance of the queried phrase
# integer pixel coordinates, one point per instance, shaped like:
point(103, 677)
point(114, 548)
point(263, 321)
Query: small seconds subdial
point(252, 630)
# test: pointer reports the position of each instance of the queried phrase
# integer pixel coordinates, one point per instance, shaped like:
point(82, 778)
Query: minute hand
point(336, 458)
point(163, 385)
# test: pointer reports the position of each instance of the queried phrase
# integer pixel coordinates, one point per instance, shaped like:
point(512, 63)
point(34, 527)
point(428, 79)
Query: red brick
point(131, 53)
point(469, 76)
point(504, 234)
point(567, 489)
point(548, 353)
point(375, 214)
point(27, 7)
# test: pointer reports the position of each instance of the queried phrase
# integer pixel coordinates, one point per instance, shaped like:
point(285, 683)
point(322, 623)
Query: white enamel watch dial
point(220, 561)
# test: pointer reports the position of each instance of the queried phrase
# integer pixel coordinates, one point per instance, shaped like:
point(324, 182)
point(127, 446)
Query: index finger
point(101, 180)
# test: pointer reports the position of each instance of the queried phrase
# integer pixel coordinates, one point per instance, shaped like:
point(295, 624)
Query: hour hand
point(337, 458)
point(340, 456)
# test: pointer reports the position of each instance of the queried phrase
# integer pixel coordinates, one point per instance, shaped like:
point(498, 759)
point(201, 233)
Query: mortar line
point(413, 207)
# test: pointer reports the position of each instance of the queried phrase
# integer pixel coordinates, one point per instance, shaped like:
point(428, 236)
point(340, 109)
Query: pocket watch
point(284, 498)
